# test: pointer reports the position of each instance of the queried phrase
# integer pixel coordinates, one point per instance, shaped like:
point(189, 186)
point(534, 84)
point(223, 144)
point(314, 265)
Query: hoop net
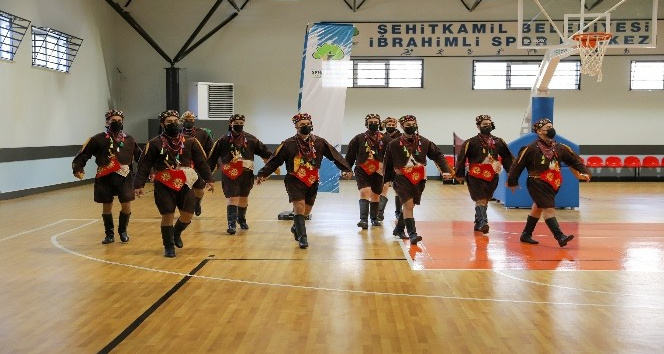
point(592, 47)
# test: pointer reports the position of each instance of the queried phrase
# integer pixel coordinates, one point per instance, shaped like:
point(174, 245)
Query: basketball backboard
point(543, 24)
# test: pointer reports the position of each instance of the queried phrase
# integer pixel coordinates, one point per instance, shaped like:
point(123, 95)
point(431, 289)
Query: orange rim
point(590, 39)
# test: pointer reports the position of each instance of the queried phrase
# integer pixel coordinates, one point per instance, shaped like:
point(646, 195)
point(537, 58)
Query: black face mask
point(115, 126)
point(238, 128)
point(188, 125)
point(486, 130)
point(551, 133)
point(373, 127)
point(390, 129)
point(172, 129)
point(306, 129)
point(410, 130)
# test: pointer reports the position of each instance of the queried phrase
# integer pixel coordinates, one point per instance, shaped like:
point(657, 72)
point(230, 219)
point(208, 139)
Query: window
point(646, 75)
point(6, 39)
point(387, 73)
point(513, 75)
point(52, 49)
point(12, 29)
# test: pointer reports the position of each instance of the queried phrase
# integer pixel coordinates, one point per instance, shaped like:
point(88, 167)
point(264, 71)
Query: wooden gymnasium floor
point(352, 291)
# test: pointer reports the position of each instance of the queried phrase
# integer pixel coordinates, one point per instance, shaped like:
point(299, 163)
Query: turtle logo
point(329, 51)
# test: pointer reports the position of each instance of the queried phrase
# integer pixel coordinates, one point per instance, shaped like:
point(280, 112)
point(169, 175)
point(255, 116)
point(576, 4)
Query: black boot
point(382, 203)
point(527, 234)
point(167, 238)
point(123, 221)
point(399, 228)
point(108, 229)
point(478, 218)
point(198, 209)
point(300, 230)
point(412, 232)
point(397, 206)
point(483, 222)
point(231, 214)
point(293, 229)
point(177, 233)
point(364, 214)
point(241, 217)
point(373, 214)
point(562, 239)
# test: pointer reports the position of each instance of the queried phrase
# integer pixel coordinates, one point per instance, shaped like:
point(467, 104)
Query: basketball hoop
point(592, 47)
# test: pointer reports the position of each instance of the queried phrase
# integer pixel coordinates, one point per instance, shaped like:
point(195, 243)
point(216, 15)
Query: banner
point(327, 48)
point(489, 38)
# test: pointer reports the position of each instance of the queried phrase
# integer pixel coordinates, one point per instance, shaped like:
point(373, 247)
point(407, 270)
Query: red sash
point(552, 177)
point(414, 174)
point(232, 170)
point(306, 175)
point(482, 171)
point(370, 166)
point(173, 179)
point(112, 166)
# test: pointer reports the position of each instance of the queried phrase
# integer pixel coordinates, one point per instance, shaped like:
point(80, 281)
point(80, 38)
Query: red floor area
point(596, 246)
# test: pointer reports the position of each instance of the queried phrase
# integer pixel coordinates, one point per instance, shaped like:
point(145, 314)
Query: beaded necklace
point(410, 147)
point(548, 149)
point(174, 147)
point(114, 138)
point(306, 148)
point(487, 143)
point(373, 142)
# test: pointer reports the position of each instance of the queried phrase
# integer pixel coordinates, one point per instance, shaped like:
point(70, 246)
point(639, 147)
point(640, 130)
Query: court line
point(54, 241)
point(144, 316)
point(42, 227)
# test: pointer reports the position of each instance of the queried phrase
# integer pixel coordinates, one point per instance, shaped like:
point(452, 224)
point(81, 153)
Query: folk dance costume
point(302, 154)
point(113, 151)
point(204, 136)
point(542, 159)
point(484, 153)
point(404, 165)
point(234, 154)
point(366, 151)
point(177, 161)
point(392, 133)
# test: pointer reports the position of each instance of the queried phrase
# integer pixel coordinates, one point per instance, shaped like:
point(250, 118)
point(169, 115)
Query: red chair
point(651, 162)
point(632, 161)
point(613, 161)
point(450, 160)
point(595, 161)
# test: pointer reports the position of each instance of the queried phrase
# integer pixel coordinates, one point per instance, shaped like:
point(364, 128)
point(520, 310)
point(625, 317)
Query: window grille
point(520, 75)
point(387, 73)
point(646, 75)
point(53, 49)
point(12, 30)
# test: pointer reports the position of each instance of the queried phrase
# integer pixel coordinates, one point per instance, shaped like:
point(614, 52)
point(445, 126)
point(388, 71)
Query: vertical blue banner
point(326, 72)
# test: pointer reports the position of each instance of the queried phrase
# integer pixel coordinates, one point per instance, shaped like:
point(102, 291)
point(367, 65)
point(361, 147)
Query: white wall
point(47, 108)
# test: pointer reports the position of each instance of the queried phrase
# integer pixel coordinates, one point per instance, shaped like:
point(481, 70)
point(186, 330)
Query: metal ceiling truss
point(591, 6)
point(355, 6)
point(466, 4)
point(188, 47)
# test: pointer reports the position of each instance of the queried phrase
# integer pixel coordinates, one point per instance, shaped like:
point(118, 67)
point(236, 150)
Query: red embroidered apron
point(173, 179)
point(415, 174)
point(482, 171)
point(112, 166)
